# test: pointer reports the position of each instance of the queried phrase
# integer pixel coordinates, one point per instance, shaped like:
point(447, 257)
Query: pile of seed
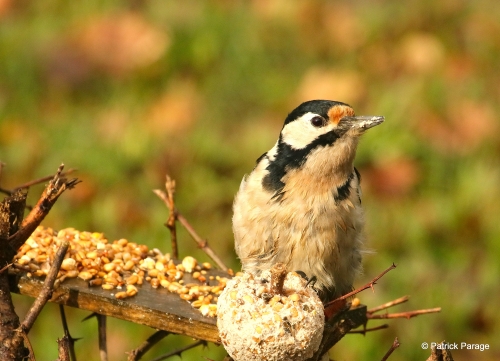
point(119, 265)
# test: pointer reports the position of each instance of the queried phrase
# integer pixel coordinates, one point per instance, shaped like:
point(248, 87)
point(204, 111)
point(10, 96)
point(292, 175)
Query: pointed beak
point(362, 122)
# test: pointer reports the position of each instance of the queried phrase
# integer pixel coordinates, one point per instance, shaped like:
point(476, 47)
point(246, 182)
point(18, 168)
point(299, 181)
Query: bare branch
point(394, 346)
point(68, 341)
point(33, 182)
point(41, 300)
point(64, 347)
point(136, 354)
point(202, 243)
point(180, 350)
point(43, 179)
point(47, 289)
point(170, 187)
point(168, 199)
point(371, 329)
point(406, 315)
point(5, 267)
point(368, 285)
point(101, 327)
point(49, 196)
point(393, 303)
point(27, 344)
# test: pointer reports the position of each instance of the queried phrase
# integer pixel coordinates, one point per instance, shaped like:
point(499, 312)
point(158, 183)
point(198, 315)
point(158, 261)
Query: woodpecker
point(301, 204)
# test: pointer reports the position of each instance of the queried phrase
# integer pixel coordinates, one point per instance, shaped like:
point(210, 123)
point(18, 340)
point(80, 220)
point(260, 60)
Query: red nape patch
point(337, 112)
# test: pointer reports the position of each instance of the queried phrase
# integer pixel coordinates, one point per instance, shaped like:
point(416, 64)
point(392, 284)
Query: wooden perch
point(156, 308)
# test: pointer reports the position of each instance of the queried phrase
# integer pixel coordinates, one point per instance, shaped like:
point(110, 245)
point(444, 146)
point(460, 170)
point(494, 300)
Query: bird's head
point(319, 138)
point(322, 122)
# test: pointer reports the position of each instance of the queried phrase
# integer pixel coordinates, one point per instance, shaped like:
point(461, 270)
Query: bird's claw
point(310, 281)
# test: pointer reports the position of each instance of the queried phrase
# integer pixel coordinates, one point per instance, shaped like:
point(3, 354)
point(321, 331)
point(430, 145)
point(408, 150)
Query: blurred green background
point(127, 91)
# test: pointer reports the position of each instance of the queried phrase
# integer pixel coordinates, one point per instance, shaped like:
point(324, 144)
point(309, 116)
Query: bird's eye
point(318, 122)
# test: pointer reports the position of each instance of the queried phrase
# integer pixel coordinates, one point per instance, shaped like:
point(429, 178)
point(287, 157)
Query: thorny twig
point(67, 341)
point(136, 354)
point(64, 348)
point(180, 350)
point(49, 196)
point(171, 225)
point(202, 243)
point(27, 344)
point(5, 267)
point(394, 346)
point(32, 182)
point(43, 179)
point(47, 289)
point(406, 315)
point(409, 314)
point(101, 327)
point(41, 300)
point(393, 303)
point(356, 291)
point(333, 320)
point(365, 330)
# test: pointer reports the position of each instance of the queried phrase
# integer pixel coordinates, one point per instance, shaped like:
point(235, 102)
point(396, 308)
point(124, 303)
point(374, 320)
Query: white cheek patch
point(299, 133)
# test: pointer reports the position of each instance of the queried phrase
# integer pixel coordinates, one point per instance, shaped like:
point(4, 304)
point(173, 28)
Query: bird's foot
point(302, 274)
point(310, 281)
